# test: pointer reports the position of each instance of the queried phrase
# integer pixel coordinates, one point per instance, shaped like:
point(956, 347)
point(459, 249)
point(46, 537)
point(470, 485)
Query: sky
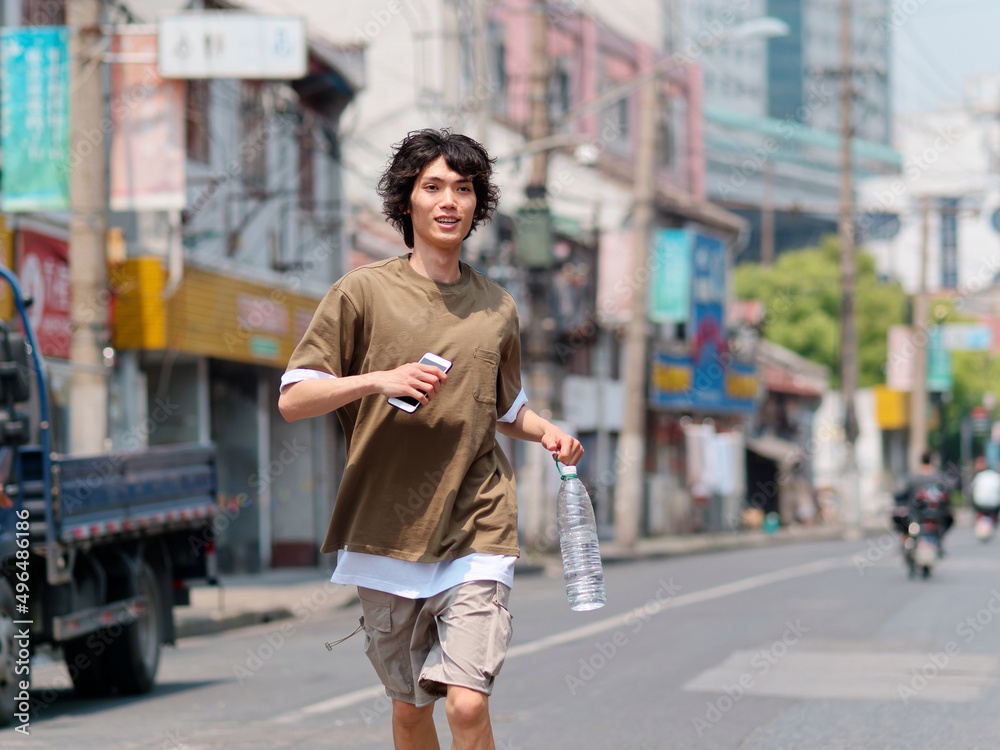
point(938, 42)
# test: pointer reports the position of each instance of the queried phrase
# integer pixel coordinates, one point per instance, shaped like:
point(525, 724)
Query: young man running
point(425, 522)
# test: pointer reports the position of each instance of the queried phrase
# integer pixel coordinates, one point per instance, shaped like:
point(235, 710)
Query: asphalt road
point(818, 646)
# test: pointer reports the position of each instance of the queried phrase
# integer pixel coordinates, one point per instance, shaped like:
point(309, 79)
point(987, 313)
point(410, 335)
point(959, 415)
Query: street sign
point(980, 420)
point(966, 337)
point(231, 44)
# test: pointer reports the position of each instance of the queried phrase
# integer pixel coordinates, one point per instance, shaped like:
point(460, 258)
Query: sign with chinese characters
point(34, 119)
point(670, 286)
point(44, 272)
point(674, 384)
point(230, 44)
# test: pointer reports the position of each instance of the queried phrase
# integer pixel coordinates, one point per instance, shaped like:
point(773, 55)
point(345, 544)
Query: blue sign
point(939, 377)
point(34, 119)
point(670, 286)
point(708, 311)
point(678, 383)
point(708, 380)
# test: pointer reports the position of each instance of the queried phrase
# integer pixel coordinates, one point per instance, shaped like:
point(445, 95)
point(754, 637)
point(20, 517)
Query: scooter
point(985, 525)
point(922, 547)
point(922, 541)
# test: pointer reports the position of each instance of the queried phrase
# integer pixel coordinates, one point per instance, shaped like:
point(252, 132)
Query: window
point(498, 67)
point(196, 117)
point(664, 135)
point(307, 169)
point(253, 140)
point(560, 91)
point(43, 13)
point(949, 243)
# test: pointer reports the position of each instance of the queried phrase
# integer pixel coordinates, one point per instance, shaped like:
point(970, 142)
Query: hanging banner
point(670, 286)
point(147, 120)
point(34, 119)
point(708, 313)
point(43, 268)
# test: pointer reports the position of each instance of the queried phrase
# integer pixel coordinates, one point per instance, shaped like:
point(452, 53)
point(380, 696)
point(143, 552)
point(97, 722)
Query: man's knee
point(408, 715)
point(466, 707)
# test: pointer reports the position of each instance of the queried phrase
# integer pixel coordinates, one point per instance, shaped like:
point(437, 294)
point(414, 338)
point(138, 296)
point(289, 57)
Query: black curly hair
point(416, 151)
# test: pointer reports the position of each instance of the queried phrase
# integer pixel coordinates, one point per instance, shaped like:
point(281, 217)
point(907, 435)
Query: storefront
point(208, 358)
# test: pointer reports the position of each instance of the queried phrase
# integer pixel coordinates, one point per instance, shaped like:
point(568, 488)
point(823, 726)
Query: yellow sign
point(671, 378)
point(892, 408)
point(741, 385)
point(209, 314)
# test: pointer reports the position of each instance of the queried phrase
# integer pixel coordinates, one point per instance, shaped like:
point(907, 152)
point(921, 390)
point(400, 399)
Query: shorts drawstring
point(330, 644)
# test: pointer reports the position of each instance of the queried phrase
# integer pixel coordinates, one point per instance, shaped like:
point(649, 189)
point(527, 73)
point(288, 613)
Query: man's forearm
point(526, 426)
point(313, 398)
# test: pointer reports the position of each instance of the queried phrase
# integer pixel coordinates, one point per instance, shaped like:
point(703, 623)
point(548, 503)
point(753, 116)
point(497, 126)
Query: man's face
point(442, 205)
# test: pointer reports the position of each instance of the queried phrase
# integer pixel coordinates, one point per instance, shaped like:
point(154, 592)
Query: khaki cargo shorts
point(420, 646)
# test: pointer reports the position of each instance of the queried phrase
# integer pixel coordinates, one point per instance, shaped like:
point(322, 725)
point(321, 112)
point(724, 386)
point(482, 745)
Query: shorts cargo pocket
point(501, 630)
point(391, 662)
point(485, 366)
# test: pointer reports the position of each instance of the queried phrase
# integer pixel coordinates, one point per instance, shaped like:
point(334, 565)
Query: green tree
point(801, 294)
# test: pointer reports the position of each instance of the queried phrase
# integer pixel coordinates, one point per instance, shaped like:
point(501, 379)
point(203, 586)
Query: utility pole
point(919, 337)
point(87, 232)
point(632, 441)
point(851, 503)
point(767, 216)
point(539, 350)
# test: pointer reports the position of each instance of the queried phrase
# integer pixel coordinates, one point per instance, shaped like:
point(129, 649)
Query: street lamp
point(631, 441)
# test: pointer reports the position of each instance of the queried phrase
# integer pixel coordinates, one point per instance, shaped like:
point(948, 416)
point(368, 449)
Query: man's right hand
point(413, 379)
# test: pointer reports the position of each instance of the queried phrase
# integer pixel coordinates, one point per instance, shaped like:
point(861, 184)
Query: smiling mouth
point(446, 221)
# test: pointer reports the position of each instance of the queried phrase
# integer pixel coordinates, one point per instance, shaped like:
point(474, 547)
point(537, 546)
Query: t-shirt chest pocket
point(484, 375)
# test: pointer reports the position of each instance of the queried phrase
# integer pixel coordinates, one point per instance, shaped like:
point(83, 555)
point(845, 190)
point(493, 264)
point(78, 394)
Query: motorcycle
point(922, 540)
point(922, 547)
point(985, 525)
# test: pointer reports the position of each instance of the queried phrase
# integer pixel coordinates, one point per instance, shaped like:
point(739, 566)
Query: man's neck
point(436, 264)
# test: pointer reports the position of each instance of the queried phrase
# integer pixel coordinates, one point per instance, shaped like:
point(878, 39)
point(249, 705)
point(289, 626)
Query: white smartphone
point(409, 404)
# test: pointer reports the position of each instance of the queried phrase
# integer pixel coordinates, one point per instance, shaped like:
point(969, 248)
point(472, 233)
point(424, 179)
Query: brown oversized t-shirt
point(432, 485)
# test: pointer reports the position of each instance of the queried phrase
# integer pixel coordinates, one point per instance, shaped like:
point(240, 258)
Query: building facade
point(772, 113)
point(207, 299)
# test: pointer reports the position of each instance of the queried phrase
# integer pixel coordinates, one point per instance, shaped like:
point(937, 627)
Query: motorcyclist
point(986, 489)
point(909, 508)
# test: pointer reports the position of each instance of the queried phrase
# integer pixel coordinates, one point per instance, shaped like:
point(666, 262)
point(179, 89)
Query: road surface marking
point(644, 611)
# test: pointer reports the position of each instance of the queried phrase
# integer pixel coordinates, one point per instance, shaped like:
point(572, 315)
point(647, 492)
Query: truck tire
point(135, 654)
point(8, 655)
point(123, 657)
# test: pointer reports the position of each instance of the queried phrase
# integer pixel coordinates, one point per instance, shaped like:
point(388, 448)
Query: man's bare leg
point(469, 718)
point(413, 727)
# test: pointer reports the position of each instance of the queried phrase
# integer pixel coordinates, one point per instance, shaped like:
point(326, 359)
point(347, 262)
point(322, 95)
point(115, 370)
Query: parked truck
point(95, 551)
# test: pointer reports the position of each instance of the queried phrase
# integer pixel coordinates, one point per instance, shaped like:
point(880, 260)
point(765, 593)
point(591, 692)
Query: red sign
point(43, 268)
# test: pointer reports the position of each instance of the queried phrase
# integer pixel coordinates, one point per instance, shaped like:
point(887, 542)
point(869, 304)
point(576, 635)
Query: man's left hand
point(563, 447)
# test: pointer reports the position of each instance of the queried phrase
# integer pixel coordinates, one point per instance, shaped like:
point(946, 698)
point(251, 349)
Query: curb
point(211, 625)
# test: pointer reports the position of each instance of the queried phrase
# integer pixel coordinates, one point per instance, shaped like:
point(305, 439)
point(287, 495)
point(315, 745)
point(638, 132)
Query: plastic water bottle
point(581, 555)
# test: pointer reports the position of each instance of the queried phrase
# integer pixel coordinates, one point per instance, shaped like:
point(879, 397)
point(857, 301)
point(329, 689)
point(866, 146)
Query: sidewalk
point(299, 592)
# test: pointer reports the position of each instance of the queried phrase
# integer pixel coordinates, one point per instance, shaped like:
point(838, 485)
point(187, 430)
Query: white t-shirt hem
point(414, 580)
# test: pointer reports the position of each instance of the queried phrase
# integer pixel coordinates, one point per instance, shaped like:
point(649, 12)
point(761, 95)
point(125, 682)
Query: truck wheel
point(135, 654)
point(8, 655)
point(89, 666)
